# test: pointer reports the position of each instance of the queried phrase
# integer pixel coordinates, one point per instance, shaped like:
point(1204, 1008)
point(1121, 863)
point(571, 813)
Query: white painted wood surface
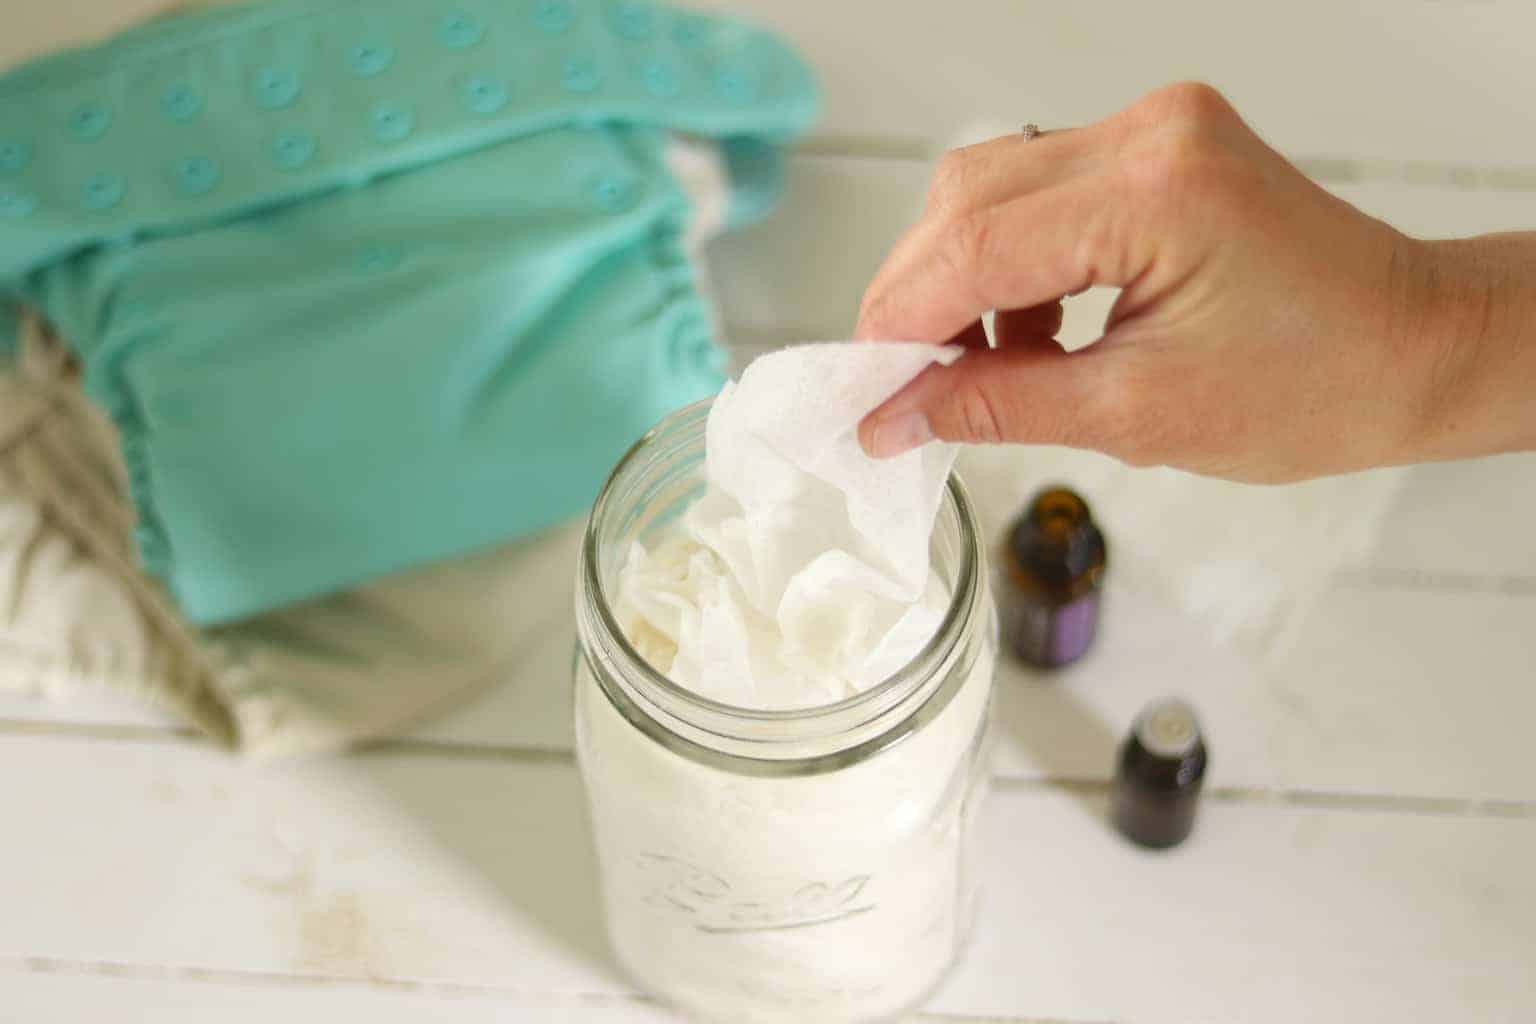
point(471, 876)
point(1441, 81)
point(1366, 851)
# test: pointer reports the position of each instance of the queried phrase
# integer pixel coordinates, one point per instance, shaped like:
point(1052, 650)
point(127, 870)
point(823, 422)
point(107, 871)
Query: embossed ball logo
point(679, 887)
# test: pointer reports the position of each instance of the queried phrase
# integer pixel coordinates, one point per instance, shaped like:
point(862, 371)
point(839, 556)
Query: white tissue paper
point(801, 577)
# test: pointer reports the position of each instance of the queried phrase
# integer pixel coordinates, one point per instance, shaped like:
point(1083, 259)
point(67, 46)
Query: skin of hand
point(1265, 330)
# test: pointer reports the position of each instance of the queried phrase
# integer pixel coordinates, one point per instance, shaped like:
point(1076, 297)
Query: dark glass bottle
point(1054, 562)
point(1158, 778)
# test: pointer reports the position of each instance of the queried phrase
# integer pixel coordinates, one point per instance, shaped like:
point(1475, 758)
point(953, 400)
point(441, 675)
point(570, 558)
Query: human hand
point(1266, 330)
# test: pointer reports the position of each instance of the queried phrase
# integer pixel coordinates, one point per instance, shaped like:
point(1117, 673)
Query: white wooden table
point(1368, 848)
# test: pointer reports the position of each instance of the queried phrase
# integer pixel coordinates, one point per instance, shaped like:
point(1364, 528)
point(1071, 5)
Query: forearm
point(1476, 328)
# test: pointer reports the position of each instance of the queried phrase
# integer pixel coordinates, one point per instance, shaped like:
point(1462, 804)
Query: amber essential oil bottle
point(1054, 561)
point(1158, 775)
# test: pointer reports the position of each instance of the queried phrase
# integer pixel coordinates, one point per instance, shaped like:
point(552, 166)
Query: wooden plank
point(476, 875)
point(1461, 526)
point(1264, 915)
point(1401, 691)
point(1416, 694)
point(1377, 79)
point(422, 867)
point(1359, 703)
point(71, 994)
point(62, 993)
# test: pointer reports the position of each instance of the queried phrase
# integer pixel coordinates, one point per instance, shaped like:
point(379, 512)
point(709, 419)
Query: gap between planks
point(1306, 799)
point(1328, 170)
point(1383, 578)
point(444, 990)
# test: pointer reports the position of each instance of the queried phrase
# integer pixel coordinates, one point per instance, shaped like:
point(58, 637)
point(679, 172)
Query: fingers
point(1027, 395)
point(1027, 251)
point(1000, 169)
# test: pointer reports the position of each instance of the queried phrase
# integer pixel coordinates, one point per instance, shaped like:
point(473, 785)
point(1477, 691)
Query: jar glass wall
point(805, 865)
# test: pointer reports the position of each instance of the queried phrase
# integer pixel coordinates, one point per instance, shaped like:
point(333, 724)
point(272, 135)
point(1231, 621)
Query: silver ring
point(1030, 131)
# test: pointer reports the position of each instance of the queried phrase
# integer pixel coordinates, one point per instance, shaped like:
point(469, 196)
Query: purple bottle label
point(1056, 636)
point(1073, 628)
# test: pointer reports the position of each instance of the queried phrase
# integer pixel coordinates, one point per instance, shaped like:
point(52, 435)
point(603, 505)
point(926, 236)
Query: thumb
point(1024, 395)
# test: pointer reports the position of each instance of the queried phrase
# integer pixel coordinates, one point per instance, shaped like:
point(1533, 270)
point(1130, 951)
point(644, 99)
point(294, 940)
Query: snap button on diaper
point(391, 123)
point(196, 175)
point(484, 95)
point(691, 348)
point(553, 16)
point(14, 155)
point(614, 194)
point(737, 83)
point(580, 74)
point(102, 191)
point(16, 204)
point(689, 30)
point(293, 150)
point(371, 58)
point(708, 356)
point(660, 80)
point(275, 88)
point(181, 102)
point(379, 259)
point(90, 121)
point(630, 19)
point(459, 31)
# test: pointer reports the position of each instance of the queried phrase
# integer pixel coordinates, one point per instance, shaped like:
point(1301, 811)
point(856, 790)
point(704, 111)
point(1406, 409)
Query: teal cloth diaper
point(368, 284)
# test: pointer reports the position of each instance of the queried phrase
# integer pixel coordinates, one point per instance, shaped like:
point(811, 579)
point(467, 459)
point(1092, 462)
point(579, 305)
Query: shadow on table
point(516, 819)
point(1057, 738)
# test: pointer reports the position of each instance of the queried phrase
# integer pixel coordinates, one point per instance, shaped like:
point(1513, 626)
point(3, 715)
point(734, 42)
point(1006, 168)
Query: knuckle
point(1189, 103)
point(953, 177)
point(1183, 163)
point(1181, 144)
point(1179, 154)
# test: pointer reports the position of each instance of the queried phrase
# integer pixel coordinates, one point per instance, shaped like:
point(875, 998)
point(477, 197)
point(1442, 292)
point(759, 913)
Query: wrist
point(1468, 328)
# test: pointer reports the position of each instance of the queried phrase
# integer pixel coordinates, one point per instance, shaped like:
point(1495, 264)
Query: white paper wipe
point(802, 576)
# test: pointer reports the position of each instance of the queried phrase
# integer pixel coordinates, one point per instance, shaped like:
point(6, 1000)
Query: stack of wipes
point(801, 577)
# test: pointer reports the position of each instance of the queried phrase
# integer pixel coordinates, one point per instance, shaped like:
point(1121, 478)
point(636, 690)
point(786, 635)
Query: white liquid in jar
point(841, 896)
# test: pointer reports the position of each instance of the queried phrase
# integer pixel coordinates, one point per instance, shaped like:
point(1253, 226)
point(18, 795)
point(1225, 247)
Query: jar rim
point(881, 698)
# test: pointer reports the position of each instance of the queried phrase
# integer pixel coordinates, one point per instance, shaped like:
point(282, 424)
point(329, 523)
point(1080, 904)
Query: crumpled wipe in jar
point(802, 575)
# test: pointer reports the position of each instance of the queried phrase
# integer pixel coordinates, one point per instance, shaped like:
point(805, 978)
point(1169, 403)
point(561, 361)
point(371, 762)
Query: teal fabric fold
point(365, 285)
point(756, 171)
point(10, 329)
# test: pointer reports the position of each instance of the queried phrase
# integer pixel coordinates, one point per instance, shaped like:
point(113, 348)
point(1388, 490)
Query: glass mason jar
point(805, 865)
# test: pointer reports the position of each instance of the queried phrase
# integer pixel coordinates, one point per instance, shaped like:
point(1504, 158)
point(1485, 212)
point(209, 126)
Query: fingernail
point(899, 433)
